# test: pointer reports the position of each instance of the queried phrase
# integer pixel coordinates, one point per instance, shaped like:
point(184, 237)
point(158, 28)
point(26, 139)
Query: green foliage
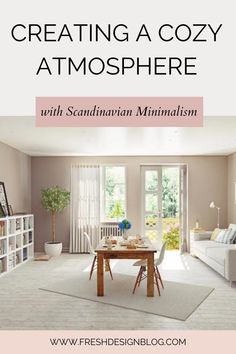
point(55, 199)
point(117, 210)
point(110, 183)
point(172, 238)
point(170, 191)
point(114, 192)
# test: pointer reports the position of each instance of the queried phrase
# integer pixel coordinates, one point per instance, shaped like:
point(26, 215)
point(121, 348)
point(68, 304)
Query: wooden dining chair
point(94, 264)
point(142, 274)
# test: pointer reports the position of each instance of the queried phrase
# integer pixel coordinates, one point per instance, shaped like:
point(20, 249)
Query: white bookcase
point(16, 241)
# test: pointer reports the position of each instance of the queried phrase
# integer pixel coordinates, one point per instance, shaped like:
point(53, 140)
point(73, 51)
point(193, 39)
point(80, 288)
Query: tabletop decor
point(124, 226)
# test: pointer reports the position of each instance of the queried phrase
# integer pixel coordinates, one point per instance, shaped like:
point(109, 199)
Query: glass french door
point(152, 202)
point(164, 205)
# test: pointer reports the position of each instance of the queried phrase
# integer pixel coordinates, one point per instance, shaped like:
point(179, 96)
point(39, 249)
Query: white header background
point(216, 61)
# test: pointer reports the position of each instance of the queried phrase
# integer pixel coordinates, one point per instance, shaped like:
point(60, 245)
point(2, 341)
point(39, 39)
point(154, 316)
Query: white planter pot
point(53, 249)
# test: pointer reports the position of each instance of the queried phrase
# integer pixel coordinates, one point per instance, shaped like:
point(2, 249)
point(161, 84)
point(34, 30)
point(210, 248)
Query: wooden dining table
point(120, 251)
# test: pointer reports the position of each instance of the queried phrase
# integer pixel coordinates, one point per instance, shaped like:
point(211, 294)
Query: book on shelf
point(25, 254)
point(1, 266)
point(11, 247)
point(18, 224)
point(17, 259)
point(3, 247)
point(25, 223)
point(2, 228)
point(24, 239)
point(12, 257)
point(11, 261)
point(11, 227)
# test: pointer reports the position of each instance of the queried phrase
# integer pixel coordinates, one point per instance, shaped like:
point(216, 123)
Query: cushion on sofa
point(221, 235)
point(226, 236)
point(233, 227)
point(230, 236)
point(215, 233)
point(233, 240)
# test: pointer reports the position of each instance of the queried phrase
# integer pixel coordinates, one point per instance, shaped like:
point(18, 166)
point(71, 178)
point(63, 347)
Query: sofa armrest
point(230, 264)
point(201, 236)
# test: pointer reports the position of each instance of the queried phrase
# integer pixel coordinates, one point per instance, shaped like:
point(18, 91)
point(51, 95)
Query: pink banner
point(133, 342)
point(119, 111)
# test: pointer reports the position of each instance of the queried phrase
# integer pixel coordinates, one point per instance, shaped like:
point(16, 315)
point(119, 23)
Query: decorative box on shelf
point(16, 241)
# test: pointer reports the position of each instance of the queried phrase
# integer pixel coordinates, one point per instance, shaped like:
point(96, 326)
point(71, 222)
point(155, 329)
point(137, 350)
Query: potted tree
point(54, 199)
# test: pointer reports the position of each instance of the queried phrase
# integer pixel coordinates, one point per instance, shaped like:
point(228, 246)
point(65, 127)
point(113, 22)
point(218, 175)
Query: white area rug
point(177, 300)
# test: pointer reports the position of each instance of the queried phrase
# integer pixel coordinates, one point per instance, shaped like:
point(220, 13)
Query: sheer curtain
point(85, 206)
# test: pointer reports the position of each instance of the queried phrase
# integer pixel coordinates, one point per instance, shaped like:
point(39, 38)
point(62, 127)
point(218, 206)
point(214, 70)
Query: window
point(113, 193)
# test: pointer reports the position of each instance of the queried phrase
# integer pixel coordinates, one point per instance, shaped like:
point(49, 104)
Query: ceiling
point(217, 137)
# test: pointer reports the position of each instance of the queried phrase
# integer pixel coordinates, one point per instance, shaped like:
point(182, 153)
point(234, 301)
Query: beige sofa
point(220, 256)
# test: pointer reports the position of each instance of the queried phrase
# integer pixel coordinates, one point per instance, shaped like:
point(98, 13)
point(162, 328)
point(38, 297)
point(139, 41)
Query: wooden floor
point(24, 306)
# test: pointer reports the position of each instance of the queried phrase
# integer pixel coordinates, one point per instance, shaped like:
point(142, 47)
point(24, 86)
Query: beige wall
point(207, 181)
point(15, 172)
point(231, 188)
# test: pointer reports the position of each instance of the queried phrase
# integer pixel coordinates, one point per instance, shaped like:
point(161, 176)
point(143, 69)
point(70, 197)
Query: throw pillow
point(232, 237)
point(227, 236)
point(214, 234)
point(220, 235)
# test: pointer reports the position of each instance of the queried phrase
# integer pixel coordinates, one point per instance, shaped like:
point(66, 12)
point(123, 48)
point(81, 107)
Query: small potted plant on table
point(54, 199)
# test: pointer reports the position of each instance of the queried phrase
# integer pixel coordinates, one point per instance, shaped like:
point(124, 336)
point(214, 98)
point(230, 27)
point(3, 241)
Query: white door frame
point(183, 208)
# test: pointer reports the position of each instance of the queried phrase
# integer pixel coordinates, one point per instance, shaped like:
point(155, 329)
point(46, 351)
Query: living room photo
point(117, 228)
